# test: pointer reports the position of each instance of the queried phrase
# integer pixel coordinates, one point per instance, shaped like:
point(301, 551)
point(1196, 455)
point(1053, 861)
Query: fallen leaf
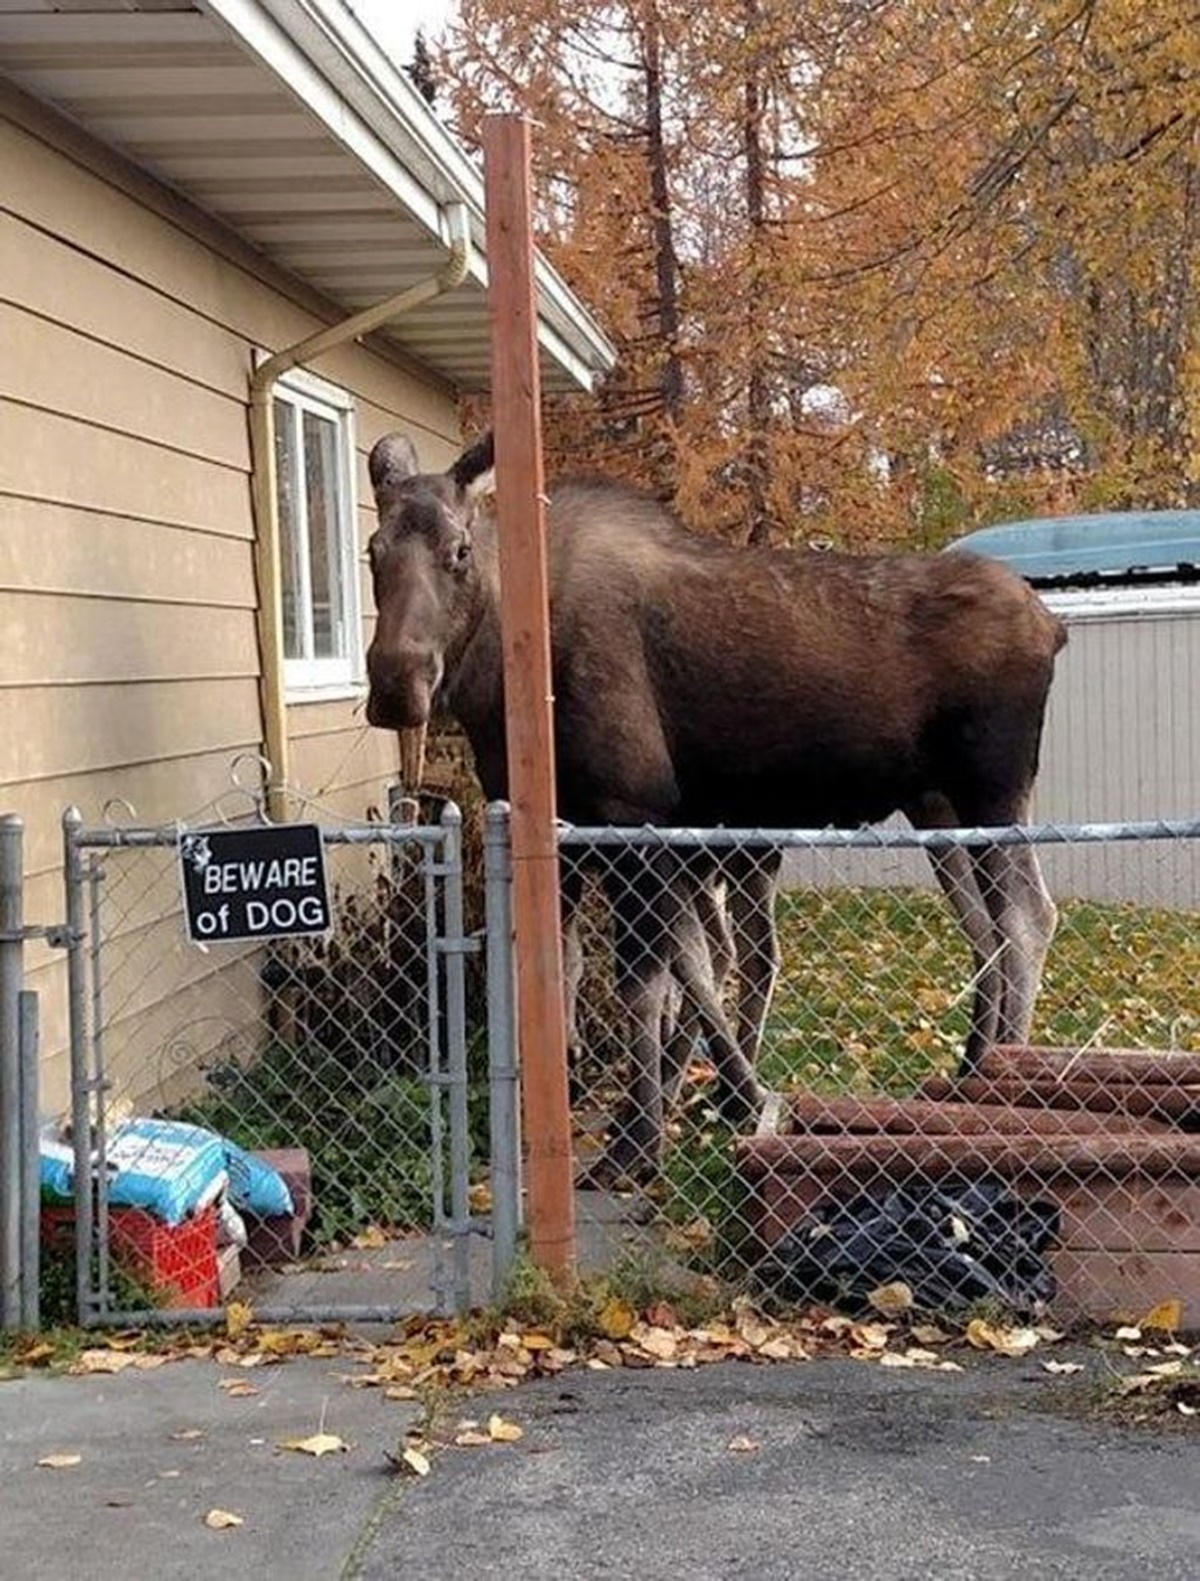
point(870, 1336)
point(741, 1445)
point(222, 1520)
point(891, 1298)
point(370, 1239)
point(1184, 1409)
point(125, 1341)
point(782, 1348)
point(1166, 1369)
point(502, 1432)
point(615, 1320)
point(36, 1354)
point(752, 1327)
point(237, 1388)
point(317, 1444)
point(185, 1434)
point(288, 1342)
point(472, 1438)
point(929, 1334)
point(416, 1462)
point(59, 1462)
point(1165, 1318)
point(238, 1317)
point(657, 1342)
point(537, 1342)
point(837, 1324)
point(1062, 1366)
point(1129, 1332)
point(1004, 1341)
point(90, 1361)
point(401, 1391)
point(480, 1197)
point(662, 1315)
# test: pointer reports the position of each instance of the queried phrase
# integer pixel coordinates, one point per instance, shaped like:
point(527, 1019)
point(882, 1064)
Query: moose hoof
point(740, 1106)
point(622, 1165)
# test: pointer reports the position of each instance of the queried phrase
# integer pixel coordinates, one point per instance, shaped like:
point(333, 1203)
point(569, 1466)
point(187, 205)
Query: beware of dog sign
point(261, 882)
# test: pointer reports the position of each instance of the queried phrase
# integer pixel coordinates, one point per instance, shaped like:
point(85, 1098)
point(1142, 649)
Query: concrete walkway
point(826, 1469)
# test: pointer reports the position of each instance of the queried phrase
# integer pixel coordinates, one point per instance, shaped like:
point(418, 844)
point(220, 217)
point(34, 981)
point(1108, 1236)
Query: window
point(314, 453)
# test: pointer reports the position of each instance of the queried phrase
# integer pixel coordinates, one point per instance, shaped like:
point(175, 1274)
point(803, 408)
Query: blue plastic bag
point(168, 1169)
point(255, 1187)
point(172, 1169)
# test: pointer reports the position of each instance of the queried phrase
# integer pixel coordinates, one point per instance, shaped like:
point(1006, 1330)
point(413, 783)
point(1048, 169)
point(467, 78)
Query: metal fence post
point(31, 1184)
point(77, 1010)
point(455, 945)
point(503, 1091)
point(12, 967)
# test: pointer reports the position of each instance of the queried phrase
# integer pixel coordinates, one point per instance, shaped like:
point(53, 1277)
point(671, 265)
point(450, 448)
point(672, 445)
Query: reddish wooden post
point(528, 696)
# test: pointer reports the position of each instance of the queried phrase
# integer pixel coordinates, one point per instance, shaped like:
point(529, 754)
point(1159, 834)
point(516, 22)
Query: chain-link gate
point(774, 1062)
point(343, 1078)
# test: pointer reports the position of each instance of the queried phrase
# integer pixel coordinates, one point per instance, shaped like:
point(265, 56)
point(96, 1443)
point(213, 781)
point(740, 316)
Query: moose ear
point(393, 459)
point(473, 473)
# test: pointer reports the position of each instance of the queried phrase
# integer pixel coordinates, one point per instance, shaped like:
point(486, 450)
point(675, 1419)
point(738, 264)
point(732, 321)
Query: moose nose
point(402, 683)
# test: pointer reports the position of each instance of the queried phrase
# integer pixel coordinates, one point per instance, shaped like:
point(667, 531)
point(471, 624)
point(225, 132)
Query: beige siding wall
point(127, 594)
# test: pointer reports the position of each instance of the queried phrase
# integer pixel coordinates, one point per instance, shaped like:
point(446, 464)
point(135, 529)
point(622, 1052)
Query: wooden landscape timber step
point(1110, 1153)
point(1141, 1067)
point(1175, 1106)
point(811, 1114)
point(897, 1157)
point(1152, 1084)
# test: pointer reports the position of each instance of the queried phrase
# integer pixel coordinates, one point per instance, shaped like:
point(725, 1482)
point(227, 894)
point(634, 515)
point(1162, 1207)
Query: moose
point(697, 683)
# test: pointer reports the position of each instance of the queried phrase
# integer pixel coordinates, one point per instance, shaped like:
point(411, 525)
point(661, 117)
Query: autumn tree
point(877, 271)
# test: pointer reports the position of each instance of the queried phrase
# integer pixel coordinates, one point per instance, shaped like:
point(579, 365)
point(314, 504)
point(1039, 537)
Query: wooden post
point(528, 696)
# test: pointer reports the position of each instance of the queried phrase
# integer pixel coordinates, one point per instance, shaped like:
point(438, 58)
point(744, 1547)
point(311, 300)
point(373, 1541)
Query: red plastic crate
point(178, 1262)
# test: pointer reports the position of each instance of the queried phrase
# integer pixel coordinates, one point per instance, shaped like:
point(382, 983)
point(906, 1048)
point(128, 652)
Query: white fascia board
point(430, 146)
point(325, 55)
point(258, 31)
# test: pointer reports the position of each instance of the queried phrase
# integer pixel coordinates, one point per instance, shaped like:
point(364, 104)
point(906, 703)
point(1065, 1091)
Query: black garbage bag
point(951, 1242)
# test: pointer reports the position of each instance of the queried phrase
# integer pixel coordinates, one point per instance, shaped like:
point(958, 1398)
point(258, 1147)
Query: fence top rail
point(168, 835)
point(871, 837)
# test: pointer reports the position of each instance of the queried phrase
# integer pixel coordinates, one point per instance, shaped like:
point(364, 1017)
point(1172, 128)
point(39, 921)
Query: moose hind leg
point(738, 1093)
point(753, 881)
point(1026, 919)
point(955, 868)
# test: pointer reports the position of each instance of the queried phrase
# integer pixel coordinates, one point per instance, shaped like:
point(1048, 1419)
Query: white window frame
point(315, 679)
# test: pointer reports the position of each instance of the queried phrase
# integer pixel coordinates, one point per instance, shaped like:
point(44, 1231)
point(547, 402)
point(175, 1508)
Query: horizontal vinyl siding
point(54, 548)
point(116, 235)
point(129, 666)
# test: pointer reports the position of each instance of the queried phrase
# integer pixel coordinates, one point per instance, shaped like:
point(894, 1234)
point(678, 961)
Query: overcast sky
point(393, 22)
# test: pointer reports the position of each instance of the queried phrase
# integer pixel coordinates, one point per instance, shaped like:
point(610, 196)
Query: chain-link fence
point(295, 1121)
point(827, 1065)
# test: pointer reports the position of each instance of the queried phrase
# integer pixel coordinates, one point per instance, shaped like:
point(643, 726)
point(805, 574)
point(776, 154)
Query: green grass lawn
point(873, 994)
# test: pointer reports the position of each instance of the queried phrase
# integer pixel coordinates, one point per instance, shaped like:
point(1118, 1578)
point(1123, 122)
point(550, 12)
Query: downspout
point(267, 556)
